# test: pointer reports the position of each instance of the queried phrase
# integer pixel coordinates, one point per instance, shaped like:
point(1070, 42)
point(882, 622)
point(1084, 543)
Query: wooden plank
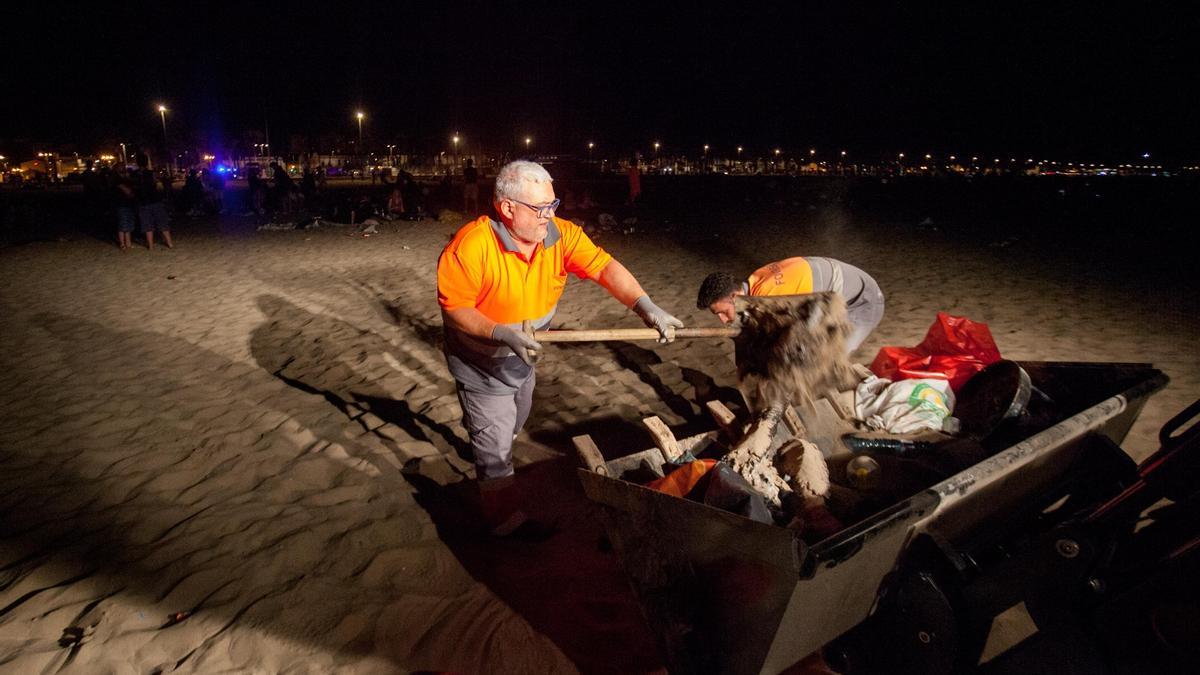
point(606, 334)
point(838, 403)
point(723, 416)
point(825, 427)
point(793, 423)
point(663, 438)
point(589, 454)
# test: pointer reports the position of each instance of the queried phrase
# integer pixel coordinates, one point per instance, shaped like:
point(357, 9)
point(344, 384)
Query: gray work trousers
point(491, 422)
point(865, 314)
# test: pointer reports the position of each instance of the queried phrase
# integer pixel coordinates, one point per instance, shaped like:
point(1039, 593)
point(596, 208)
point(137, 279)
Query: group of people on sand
point(140, 202)
point(500, 271)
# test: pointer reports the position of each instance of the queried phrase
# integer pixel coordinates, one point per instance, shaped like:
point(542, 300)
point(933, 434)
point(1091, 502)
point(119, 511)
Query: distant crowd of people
point(141, 199)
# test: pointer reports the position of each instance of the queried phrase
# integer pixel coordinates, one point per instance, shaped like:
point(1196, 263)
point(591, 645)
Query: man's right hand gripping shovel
point(522, 343)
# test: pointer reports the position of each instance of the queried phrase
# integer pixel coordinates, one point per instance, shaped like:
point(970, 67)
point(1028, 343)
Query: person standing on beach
point(796, 276)
point(470, 187)
point(492, 276)
point(635, 181)
point(124, 201)
point(151, 208)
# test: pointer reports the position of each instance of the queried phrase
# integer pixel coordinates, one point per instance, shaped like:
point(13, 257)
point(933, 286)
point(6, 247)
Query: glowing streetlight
point(928, 156)
point(843, 153)
point(455, 140)
point(739, 151)
point(528, 141)
point(162, 114)
point(706, 148)
point(901, 156)
point(812, 151)
point(656, 144)
point(777, 151)
point(591, 145)
point(359, 115)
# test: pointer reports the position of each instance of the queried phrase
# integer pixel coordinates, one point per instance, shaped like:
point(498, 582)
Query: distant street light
point(656, 144)
point(812, 151)
point(528, 140)
point(591, 145)
point(162, 113)
point(360, 117)
point(706, 148)
point(739, 151)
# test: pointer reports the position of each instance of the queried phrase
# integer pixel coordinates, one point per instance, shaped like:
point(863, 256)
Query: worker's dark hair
point(714, 287)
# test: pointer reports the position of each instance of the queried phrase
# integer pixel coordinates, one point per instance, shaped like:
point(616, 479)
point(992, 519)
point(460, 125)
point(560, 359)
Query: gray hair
point(510, 182)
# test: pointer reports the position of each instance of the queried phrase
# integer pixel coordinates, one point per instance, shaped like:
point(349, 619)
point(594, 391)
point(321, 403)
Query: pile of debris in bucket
point(824, 442)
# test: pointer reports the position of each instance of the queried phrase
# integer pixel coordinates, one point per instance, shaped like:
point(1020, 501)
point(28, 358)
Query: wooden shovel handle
point(603, 334)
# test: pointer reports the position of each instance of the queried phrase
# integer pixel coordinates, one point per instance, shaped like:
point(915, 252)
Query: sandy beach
point(242, 455)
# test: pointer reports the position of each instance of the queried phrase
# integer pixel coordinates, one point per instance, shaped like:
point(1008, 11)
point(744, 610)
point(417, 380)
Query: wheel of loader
point(916, 630)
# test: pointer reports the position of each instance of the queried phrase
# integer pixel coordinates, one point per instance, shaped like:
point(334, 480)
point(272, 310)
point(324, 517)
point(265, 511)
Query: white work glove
point(517, 341)
point(655, 317)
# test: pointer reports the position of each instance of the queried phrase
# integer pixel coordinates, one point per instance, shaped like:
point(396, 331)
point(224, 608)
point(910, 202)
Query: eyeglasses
point(544, 211)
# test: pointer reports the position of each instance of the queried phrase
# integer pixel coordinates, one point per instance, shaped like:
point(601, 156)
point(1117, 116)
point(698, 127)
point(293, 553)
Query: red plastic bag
point(954, 349)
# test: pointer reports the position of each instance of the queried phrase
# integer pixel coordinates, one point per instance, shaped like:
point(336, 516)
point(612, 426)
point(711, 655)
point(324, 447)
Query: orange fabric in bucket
point(681, 481)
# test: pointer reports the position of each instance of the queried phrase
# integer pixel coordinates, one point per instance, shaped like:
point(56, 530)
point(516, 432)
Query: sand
point(259, 430)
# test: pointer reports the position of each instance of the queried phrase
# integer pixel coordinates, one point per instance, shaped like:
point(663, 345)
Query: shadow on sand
point(569, 587)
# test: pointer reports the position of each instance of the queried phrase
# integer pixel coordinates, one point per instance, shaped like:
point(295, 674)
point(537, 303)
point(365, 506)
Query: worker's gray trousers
point(492, 421)
point(865, 313)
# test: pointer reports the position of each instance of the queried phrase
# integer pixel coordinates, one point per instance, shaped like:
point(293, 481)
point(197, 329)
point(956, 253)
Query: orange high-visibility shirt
point(793, 276)
point(482, 268)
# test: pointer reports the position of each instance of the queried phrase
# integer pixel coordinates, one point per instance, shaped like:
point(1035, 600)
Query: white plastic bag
point(905, 406)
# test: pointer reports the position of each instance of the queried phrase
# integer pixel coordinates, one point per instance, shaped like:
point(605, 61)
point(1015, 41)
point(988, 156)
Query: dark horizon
point(1068, 83)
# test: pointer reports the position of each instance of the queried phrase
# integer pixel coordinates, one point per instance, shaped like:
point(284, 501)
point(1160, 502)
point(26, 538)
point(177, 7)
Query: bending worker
point(796, 276)
point(492, 276)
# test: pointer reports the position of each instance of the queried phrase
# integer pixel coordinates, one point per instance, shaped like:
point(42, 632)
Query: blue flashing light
point(221, 168)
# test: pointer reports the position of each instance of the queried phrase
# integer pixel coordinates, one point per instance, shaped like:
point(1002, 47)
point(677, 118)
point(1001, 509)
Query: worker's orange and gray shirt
point(796, 276)
point(482, 268)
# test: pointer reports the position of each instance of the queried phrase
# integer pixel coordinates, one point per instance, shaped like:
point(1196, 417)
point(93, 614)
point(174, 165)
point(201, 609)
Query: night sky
point(1072, 80)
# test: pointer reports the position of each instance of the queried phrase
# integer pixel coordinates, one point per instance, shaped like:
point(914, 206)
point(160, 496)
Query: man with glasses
point(494, 275)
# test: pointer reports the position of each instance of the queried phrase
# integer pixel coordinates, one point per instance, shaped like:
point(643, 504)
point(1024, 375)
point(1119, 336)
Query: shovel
point(772, 303)
point(620, 334)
